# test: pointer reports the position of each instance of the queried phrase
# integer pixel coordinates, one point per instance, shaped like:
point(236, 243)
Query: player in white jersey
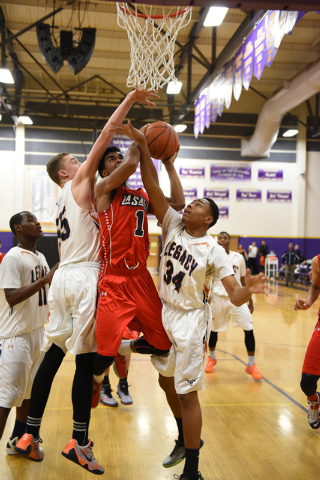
point(190, 257)
point(223, 311)
point(24, 284)
point(72, 299)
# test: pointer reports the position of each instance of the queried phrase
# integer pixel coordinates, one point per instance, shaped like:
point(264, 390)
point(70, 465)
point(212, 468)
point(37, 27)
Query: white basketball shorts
point(19, 362)
point(72, 302)
point(188, 331)
point(223, 311)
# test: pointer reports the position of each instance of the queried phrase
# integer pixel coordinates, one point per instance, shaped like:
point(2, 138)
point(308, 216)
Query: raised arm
point(176, 199)
point(253, 284)
point(148, 170)
point(314, 290)
point(88, 169)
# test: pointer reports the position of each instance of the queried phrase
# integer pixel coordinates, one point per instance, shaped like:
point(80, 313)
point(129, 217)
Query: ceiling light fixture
point(180, 128)
point(174, 87)
point(291, 132)
point(25, 120)
point(215, 16)
point(5, 76)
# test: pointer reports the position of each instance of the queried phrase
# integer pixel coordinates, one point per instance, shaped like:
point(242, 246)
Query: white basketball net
point(152, 50)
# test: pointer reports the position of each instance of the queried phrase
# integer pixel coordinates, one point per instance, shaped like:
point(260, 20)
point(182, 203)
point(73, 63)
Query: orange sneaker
point(96, 393)
point(82, 456)
point(254, 372)
point(29, 447)
point(120, 366)
point(210, 364)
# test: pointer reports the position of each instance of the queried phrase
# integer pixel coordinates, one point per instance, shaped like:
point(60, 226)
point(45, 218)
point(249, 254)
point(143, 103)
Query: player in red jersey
point(126, 287)
point(311, 365)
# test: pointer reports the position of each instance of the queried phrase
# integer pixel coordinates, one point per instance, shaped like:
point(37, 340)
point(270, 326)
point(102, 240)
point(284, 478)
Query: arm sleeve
point(10, 273)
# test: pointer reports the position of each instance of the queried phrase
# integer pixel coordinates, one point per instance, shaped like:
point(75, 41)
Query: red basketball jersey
point(1, 256)
point(124, 230)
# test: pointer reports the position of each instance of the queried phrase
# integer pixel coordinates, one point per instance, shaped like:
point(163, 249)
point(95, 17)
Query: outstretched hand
point(170, 160)
point(141, 96)
point(257, 283)
point(129, 130)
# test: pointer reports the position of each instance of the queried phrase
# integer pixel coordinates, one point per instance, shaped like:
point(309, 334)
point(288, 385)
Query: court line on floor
point(270, 383)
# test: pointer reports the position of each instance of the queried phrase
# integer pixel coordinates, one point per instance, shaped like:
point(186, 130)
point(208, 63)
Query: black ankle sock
point(33, 427)
point(18, 429)
point(192, 463)
point(180, 430)
point(80, 433)
point(106, 380)
point(123, 381)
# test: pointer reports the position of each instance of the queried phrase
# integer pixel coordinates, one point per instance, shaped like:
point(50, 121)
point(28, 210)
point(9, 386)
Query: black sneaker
point(177, 454)
point(106, 396)
point(186, 477)
point(123, 393)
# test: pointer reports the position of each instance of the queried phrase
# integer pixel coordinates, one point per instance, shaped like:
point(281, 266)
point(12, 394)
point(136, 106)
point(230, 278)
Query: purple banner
point(217, 193)
point(260, 48)
point(228, 83)
point(273, 21)
point(230, 173)
point(190, 192)
point(193, 172)
point(292, 18)
point(214, 100)
point(197, 118)
point(203, 99)
point(281, 29)
point(248, 60)
point(208, 108)
point(223, 212)
point(238, 73)
point(279, 196)
point(270, 174)
point(248, 195)
point(220, 86)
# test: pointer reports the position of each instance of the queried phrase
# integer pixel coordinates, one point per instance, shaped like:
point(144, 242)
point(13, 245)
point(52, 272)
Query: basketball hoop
point(152, 45)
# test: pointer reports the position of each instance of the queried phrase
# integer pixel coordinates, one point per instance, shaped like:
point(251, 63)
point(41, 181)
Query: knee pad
point(308, 384)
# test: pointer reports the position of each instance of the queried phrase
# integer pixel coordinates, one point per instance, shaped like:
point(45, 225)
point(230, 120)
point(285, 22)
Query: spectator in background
point(242, 251)
point(1, 254)
point(263, 250)
point(302, 259)
point(252, 260)
point(289, 260)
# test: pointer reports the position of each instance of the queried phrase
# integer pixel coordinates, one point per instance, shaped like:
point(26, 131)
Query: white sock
point(98, 378)
point(250, 360)
point(212, 354)
point(125, 347)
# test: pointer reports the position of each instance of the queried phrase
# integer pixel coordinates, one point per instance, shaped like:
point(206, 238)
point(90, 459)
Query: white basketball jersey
point(239, 268)
point(186, 264)
point(78, 230)
point(20, 268)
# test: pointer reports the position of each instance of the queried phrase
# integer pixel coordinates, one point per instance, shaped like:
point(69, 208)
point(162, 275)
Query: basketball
point(162, 140)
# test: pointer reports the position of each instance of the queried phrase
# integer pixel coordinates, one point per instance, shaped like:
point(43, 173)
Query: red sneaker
point(96, 393)
point(120, 366)
point(211, 362)
point(254, 372)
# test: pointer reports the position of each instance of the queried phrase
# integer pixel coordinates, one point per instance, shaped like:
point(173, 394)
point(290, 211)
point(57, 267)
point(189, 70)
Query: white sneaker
point(10, 447)
point(313, 413)
point(123, 393)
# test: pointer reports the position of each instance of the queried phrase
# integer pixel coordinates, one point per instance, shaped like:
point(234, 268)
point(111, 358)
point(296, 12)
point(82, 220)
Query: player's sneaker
point(29, 447)
point(253, 371)
point(96, 393)
point(313, 413)
point(120, 366)
point(123, 393)
point(10, 447)
point(186, 477)
point(82, 456)
point(211, 362)
point(177, 454)
point(106, 396)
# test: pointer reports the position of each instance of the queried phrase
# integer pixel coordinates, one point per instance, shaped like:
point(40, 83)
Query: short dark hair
point(54, 165)
point(214, 210)
point(111, 149)
point(226, 233)
point(16, 220)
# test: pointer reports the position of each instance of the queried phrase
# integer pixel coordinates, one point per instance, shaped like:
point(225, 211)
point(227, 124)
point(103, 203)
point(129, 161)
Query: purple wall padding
point(309, 247)
point(6, 240)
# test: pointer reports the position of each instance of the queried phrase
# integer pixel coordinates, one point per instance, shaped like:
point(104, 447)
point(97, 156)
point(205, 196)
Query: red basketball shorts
point(128, 297)
point(311, 364)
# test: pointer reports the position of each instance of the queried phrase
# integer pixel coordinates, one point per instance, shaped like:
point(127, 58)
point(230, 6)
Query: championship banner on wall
point(260, 47)
point(220, 96)
point(238, 73)
point(217, 193)
point(230, 173)
point(248, 195)
point(196, 129)
point(270, 174)
point(248, 60)
point(223, 212)
point(228, 83)
point(192, 172)
point(279, 196)
point(203, 100)
point(214, 101)
point(208, 107)
point(272, 26)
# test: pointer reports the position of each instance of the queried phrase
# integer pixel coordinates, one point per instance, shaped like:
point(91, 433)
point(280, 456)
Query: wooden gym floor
point(252, 430)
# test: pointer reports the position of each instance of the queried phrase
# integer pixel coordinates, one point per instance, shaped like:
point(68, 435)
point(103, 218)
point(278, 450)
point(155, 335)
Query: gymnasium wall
point(31, 147)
